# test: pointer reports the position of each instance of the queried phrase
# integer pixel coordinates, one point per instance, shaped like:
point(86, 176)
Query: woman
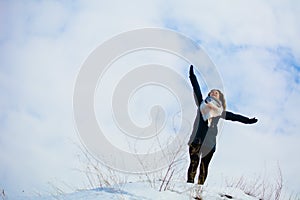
point(203, 138)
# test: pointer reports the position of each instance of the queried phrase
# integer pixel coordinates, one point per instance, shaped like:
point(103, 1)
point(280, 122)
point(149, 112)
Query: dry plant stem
point(170, 177)
point(171, 167)
point(279, 185)
point(2, 194)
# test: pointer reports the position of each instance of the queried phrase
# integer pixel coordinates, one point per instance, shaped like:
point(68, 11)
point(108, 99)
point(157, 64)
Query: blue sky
point(255, 47)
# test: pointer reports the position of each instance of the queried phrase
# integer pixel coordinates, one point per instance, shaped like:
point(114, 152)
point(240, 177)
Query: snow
point(143, 191)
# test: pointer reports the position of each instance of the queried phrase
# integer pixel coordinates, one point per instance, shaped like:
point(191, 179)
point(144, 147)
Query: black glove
point(252, 120)
point(191, 70)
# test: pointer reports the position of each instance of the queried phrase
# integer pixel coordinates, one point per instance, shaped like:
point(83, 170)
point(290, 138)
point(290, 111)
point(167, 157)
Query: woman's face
point(215, 93)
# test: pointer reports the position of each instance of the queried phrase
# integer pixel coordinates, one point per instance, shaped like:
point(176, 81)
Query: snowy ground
point(143, 191)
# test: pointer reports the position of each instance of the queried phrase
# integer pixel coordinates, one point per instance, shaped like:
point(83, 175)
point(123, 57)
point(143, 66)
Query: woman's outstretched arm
point(196, 86)
point(236, 117)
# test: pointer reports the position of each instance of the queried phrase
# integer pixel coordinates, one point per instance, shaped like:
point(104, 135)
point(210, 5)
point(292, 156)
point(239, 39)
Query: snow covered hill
point(143, 191)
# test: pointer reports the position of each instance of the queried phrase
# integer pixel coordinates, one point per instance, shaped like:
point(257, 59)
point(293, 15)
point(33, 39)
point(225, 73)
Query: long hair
point(222, 98)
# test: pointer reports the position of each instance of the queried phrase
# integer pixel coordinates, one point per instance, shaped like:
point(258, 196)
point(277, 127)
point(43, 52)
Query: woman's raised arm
point(196, 86)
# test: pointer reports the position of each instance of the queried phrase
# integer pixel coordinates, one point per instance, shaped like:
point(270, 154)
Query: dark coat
point(202, 134)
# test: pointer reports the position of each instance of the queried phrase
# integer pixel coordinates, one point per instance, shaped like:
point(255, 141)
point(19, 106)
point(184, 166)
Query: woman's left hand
point(252, 120)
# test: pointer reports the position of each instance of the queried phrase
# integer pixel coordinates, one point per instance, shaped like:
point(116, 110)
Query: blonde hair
point(222, 98)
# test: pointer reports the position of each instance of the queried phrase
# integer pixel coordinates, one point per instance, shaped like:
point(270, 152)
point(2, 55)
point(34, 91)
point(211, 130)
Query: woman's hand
point(252, 120)
point(191, 70)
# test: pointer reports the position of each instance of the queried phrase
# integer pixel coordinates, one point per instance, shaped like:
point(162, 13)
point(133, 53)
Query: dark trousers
point(194, 151)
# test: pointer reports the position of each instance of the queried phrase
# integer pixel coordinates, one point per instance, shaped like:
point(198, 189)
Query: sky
point(254, 45)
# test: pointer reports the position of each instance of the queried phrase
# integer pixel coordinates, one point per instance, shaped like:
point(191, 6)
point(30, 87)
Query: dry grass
point(98, 176)
point(263, 189)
